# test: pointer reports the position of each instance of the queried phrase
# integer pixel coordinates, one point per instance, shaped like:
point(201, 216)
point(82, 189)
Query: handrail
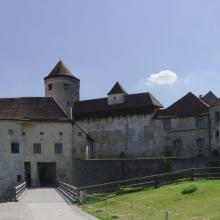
point(18, 190)
point(148, 181)
point(69, 190)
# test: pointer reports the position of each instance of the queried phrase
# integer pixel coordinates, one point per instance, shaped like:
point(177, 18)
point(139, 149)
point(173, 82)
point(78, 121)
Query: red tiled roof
point(28, 108)
point(116, 89)
point(60, 70)
point(134, 104)
point(187, 106)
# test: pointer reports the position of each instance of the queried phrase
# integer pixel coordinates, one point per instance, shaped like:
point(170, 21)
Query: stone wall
point(90, 172)
point(142, 136)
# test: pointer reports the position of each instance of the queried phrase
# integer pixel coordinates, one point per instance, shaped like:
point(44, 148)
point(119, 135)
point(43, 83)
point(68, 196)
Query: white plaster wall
point(26, 134)
point(11, 165)
point(116, 99)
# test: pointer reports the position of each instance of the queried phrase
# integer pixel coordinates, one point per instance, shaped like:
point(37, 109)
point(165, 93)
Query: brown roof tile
point(210, 98)
point(116, 89)
point(134, 104)
point(60, 70)
point(30, 108)
point(187, 106)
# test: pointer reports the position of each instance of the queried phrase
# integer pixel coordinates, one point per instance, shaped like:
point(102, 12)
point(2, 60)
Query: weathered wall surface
point(11, 165)
point(48, 134)
point(64, 90)
point(215, 130)
point(26, 134)
point(130, 136)
point(183, 129)
point(90, 172)
point(142, 136)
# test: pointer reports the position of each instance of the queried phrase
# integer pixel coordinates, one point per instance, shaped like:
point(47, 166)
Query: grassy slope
point(203, 204)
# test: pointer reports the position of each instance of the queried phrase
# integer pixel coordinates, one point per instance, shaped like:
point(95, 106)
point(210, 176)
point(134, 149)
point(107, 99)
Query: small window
point(178, 146)
point(200, 123)
point(167, 124)
point(50, 86)
point(37, 148)
point(41, 133)
point(80, 134)
point(217, 134)
point(58, 148)
point(66, 86)
point(19, 178)
point(217, 117)
point(200, 142)
point(14, 148)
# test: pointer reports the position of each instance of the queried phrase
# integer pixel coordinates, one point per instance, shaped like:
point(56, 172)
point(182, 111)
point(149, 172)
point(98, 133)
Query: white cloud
point(164, 77)
point(186, 80)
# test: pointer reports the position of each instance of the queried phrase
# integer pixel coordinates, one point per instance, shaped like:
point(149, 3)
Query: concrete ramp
point(42, 204)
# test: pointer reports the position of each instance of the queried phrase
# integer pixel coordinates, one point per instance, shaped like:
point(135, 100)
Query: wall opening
point(47, 174)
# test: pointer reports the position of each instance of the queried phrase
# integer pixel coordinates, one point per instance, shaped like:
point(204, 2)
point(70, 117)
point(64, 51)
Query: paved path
point(42, 204)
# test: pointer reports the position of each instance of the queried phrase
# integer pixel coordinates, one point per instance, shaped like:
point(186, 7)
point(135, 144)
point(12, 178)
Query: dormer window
point(116, 95)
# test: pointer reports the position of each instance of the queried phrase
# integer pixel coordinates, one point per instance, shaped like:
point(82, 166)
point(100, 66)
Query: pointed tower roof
point(188, 106)
point(210, 98)
point(60, 70)
point(117, 89)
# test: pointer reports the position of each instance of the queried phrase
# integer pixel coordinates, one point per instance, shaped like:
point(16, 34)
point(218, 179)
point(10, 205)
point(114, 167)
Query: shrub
point(189, 189)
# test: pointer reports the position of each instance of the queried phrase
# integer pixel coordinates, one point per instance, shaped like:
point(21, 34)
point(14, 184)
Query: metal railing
point(18, 190)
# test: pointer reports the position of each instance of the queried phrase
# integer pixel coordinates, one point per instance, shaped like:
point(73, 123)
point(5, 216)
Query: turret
point(63, 87)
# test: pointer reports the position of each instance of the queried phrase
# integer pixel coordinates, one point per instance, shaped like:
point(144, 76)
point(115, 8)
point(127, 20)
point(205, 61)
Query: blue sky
point(165, 47)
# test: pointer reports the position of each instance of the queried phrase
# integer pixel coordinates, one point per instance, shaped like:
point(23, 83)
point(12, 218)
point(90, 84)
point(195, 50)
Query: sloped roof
point(210, 98)
point(30, 108)
point(134, 104)
point(116, 89)
point(60, 69)
point(187, 106)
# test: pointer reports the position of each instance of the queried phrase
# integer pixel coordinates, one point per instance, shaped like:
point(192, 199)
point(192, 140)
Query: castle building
point(41, 136)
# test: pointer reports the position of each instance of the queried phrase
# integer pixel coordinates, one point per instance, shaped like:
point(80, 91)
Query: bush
point(189, 189)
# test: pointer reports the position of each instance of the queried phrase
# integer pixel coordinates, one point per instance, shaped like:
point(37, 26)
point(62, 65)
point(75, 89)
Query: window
point(37, 148)
point(19, 178)
point(167, 124)
point(50, 86)
point(217, 134)
point(80, 134)
point(178, 147)
point(14, 148)
point(217, 117)
point(200, 122)
point(200, 142)
point(58, 148)
point(66, 86)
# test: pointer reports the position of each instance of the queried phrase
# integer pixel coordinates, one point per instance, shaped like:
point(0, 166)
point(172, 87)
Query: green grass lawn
point(150, 204)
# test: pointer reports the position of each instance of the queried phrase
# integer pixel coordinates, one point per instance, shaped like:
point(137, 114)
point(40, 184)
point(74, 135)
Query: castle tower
point(63, 87)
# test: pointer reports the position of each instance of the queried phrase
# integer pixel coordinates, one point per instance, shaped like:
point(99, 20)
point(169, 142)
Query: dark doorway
point(47, 174)
point(27, 169)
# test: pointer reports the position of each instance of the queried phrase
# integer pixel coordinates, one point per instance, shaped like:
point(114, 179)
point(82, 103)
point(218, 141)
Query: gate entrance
point(27, 170)
point(47, 174)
